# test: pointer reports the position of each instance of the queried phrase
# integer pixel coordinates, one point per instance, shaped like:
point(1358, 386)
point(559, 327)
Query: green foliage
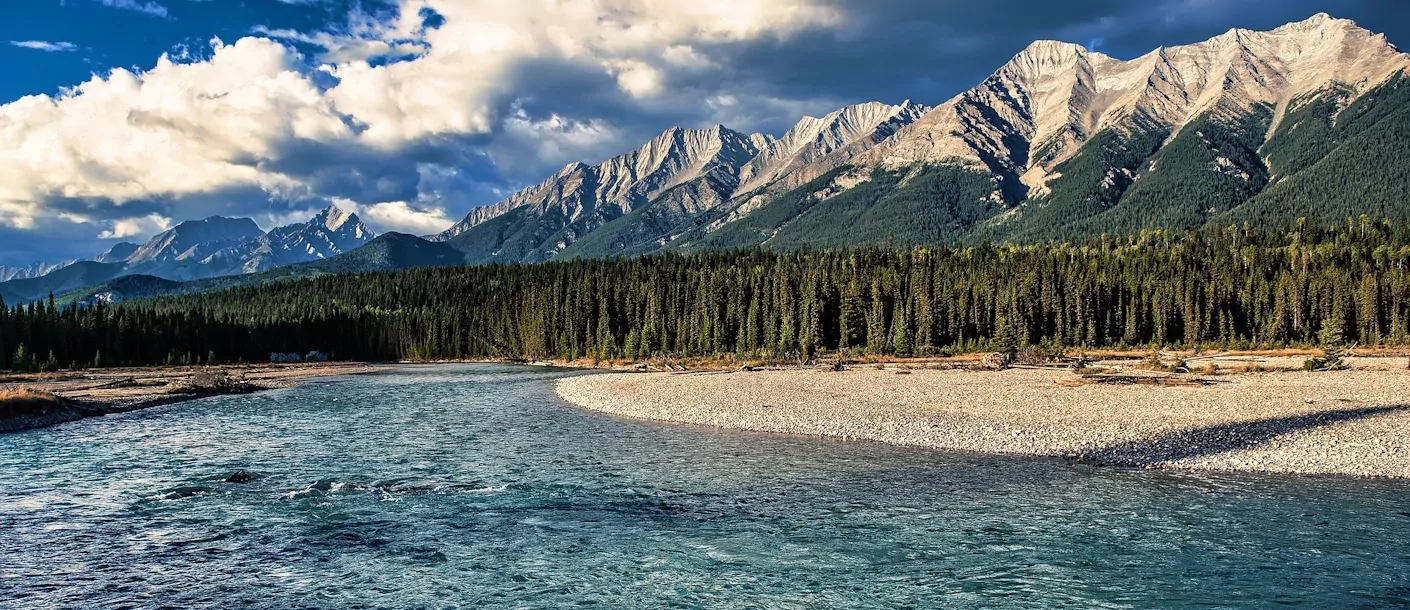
point(1286, 285)
point(759, 225)
point(21, 361)
point(59, 281)
point(1092, 181)
point(1307, 132)
point(50, 365)
point(654, 224)
point(642, 231)
point(1211, 166)
point(1355, 166)
point(920, 205)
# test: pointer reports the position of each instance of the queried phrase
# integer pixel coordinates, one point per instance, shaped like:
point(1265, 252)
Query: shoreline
point(114, 391)
point(1348, 423)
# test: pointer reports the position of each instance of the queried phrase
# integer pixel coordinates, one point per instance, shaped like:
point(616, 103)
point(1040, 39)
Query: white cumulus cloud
point(402, 217)
point(175, 130)
point(149, 7)
point(386, 103)
point(44, 45)
point(143, 225)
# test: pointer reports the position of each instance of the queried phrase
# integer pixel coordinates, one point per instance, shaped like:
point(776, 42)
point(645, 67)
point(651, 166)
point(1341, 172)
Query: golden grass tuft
point(15, 402)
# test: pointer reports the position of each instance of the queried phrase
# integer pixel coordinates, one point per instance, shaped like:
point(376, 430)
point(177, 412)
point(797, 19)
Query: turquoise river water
point(474, 486)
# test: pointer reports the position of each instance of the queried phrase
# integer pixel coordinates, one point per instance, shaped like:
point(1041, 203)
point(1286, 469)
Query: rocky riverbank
point(111, 391)
point(1353, 422)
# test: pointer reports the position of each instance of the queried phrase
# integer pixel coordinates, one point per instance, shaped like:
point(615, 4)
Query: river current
point(475, 486)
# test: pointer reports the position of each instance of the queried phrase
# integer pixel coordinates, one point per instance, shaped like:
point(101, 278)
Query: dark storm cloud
point(928, 51)
point(886, 50)
point(894, 50)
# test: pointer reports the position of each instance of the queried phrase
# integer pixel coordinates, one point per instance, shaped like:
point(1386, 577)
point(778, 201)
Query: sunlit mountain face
point(123, 119)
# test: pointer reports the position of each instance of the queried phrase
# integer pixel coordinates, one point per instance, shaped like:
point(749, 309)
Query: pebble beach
point(1354, 422)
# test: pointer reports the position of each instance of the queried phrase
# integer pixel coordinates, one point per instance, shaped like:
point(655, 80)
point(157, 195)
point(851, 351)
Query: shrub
point(1044, 353)
point(1332, 361)
point(26, 401)
point(1154, 363)
point(216, 382)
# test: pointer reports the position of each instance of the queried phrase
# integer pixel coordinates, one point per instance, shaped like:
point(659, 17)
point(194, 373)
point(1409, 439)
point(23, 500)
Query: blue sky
point(414, 111)
point(108, 36)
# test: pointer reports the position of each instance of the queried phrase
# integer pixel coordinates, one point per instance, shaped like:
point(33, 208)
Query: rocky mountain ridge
point(1058, 131)
point(32, 270)
point(206, 248)
point(1038, 109)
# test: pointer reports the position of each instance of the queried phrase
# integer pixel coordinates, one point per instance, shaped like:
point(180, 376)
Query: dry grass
point(15, 402)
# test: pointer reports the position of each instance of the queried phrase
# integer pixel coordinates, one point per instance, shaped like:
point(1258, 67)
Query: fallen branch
point(1135, 380)
point(110, 384)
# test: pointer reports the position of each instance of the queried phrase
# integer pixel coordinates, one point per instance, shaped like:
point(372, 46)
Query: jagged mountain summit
point(226, 246)
point(815, 145)
point(118, 253)
point(182, 251)
point(1059, 143)
point(207, 248)
point(674, 158)
point(33, 270)
point(330, 233)
point(1037, 110)
point(676, 176)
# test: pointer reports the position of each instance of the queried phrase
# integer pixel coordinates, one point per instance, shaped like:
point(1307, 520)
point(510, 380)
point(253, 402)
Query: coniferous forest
point(1237, 287)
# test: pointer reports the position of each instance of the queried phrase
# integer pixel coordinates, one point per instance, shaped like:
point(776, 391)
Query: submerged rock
point(239, 477)
point(184, 492)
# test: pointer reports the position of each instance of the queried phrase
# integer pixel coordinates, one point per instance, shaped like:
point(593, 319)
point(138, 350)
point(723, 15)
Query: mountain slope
point(118, 253)
point(77, 275)
point(211, 247)
point(681, 172)
point(1333, 165)
point(226, 246)
point(177, 253)
point(642, 200)
point(24, 272)
point(1071, 143)
point(329, 233)
point(815, 146)
point(388, 252)
point(928, 204)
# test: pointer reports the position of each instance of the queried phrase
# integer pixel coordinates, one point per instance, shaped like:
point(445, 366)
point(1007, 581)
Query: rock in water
point(239, 477)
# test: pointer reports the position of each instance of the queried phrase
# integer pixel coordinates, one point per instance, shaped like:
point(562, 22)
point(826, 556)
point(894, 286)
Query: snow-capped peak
point(1053, 96)
point(332, 218)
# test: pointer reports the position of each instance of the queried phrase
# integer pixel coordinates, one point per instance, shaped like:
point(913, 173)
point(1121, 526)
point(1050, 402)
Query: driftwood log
point(1135, 380)
point(101, 386)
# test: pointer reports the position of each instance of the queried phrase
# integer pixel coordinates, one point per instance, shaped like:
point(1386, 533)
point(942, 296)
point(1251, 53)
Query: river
point(474, 486)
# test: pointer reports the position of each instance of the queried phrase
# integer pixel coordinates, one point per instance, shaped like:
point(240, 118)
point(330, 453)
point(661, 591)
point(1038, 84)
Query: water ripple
point(473, 486)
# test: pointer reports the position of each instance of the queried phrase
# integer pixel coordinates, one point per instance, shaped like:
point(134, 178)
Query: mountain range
point(1059, 143)
point(24, 272)
point(198, 249)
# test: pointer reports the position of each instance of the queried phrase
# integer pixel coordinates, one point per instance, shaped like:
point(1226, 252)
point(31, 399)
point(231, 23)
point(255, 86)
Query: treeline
point(1236, 288)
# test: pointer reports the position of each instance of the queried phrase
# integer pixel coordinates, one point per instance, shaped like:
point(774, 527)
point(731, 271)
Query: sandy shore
point(1354, 422)
point(119, 390)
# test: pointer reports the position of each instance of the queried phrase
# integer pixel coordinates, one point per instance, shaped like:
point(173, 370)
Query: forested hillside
point(1327, 164)
point(1329, 157)
point(1061, 143)
point(387, 252)
point(1232, 287)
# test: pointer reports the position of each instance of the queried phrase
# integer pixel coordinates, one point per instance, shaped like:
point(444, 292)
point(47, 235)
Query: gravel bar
point(1354, 422)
